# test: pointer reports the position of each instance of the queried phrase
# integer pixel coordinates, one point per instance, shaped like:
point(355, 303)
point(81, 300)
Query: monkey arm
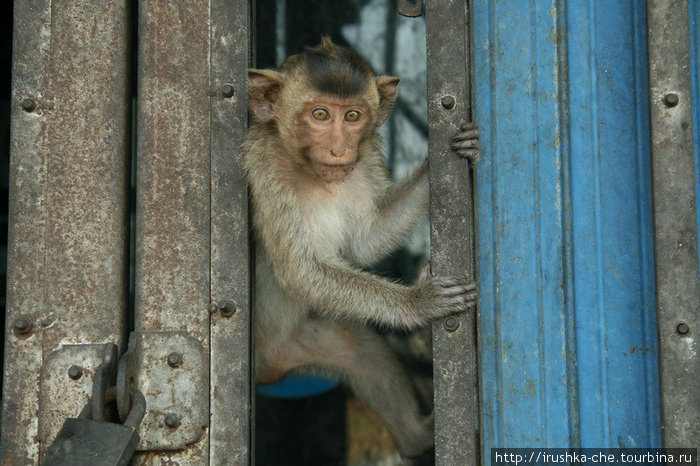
point(399, 211)
point(340, 291)
point(331, 286)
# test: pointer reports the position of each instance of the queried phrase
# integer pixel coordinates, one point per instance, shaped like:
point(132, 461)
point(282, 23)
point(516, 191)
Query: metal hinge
point(172, 371)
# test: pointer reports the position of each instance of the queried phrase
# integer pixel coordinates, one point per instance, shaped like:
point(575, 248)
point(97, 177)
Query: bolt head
point(682, 328)
point(227, 308)
point(22, 325)
point(227, 90)
point(671, 100)
point(448, 102)
point(28, 105)
point(172, 420)
point(75, 372)
point(451, 323)
point(175, 359)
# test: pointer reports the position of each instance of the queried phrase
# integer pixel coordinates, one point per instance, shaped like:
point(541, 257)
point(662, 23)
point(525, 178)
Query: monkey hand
point(466, 142)
point(439, 297)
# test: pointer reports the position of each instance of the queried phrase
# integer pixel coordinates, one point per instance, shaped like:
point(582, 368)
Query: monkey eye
point(320, 114)
point(352, 116)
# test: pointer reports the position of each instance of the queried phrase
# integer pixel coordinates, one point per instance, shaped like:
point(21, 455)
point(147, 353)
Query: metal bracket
point(66, 383)
point(171, 369)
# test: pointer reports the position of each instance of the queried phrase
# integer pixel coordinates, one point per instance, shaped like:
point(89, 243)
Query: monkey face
point(331, 131)
point(321, 106)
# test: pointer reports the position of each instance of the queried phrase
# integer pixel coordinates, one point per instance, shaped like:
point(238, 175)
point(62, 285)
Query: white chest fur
point(337, 214)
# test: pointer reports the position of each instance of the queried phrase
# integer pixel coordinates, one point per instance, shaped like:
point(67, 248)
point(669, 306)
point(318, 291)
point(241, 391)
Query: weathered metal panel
point(565, 244)
point(674, 152)
point(172, 268)
point(231, 411)
point(68, 263)
point(452, 237)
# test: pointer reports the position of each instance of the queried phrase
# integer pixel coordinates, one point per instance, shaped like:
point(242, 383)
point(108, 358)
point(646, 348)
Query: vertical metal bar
point(230, 407)
point(675, 222)
point(172, 269)
point(26, 242)
point(172, 195)
point(452, 237)
point(67, 258)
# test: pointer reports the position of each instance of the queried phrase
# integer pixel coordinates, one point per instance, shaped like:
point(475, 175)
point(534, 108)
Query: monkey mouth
point(332, 172)
point(335, 165)
point(326, 171)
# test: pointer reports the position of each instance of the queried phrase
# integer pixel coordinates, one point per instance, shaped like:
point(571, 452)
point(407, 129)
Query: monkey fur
point(324, 208)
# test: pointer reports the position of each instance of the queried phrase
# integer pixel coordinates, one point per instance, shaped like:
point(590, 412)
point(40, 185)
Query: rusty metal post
point(172, 216)
point(675, 222)
point(192, 282)
point(230, 404)
point(452, 234)
point(68, 237)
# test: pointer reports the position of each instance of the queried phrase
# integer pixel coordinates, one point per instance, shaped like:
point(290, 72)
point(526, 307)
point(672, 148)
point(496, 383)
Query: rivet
point(172, 420)
point(448, 102)
point(28, 105)
point(451, 324)
point(682, 328)
point(22, 325)
point(227, 90)
point(175, 359)
point(213, 307)
point(671, 99)
point(227, 308)
point(75, 372)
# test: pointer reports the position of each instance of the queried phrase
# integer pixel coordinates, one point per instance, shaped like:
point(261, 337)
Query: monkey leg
point(373, 373)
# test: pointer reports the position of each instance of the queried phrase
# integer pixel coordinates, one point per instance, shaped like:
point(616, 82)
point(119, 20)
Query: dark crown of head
point(336, 70)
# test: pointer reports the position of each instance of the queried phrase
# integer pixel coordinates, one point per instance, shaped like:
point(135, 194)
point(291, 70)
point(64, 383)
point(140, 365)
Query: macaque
point(324, 209)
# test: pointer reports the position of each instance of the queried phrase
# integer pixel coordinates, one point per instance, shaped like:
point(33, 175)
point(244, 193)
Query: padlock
point(84, 442)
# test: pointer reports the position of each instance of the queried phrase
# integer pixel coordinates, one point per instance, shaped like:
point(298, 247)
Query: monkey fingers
point(472, 295)
point(468, 149)
point(467, 125)
point(469, 130)
point(466, 142)
point(459, 294)
point(451, 286)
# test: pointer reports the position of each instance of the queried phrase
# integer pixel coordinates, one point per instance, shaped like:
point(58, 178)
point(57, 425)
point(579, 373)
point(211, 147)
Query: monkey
point(324, 208)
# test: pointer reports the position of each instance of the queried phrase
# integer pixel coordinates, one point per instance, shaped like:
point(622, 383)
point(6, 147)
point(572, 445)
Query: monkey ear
point(264, 87)
point(388, 89)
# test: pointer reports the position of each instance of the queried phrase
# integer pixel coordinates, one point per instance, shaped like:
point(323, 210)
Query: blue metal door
point(568, 326)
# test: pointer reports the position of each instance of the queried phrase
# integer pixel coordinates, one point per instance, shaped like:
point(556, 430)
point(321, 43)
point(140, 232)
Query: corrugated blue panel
point(523, 300)
point(565, 229)
point(612, 224)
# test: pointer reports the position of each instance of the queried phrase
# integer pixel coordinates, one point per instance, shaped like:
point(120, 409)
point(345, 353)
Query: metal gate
point(586, 231)
point(68, 302)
